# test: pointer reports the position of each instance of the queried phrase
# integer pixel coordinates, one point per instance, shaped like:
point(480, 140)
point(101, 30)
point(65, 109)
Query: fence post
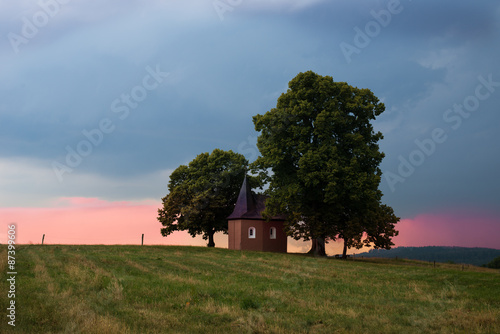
point(142, 241)
point(43, 237)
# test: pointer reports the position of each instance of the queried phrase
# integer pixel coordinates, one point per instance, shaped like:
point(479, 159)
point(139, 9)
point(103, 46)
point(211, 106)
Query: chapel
point(248, 230)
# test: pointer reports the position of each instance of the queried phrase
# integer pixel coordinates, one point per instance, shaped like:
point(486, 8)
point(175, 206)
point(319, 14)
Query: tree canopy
point(494, 264)
point(323, 156)
point(202, 194)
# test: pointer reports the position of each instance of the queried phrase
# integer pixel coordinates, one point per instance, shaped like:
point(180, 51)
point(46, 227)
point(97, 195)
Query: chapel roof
point(249, 205)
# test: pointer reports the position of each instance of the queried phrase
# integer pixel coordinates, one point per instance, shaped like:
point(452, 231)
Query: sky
point(101, 101)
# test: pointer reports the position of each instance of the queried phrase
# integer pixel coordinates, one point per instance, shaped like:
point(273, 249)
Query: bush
point(495, 263)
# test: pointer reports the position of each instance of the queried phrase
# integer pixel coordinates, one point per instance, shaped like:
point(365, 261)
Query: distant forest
point(474, 256)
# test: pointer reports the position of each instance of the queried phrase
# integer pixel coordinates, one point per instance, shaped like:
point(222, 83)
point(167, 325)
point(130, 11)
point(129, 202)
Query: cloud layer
point(66, 63)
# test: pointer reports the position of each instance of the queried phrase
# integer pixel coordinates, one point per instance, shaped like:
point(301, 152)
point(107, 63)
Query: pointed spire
point(250, 205)
point(245, 202)
point(246, 195)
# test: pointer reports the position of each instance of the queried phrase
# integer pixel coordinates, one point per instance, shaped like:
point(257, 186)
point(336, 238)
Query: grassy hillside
point(475, 256)
point(167, 289)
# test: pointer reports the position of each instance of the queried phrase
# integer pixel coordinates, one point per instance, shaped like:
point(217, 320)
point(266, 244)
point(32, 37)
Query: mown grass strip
point(158, 289)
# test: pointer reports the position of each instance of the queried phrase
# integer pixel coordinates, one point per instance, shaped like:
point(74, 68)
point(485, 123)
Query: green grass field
point(170, 289)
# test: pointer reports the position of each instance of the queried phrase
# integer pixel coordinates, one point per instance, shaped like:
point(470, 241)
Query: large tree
point(202, 194)
point(324, 158)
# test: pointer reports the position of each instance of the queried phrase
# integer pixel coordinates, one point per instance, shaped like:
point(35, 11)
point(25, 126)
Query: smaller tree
point(376, 228)
point(202, 194)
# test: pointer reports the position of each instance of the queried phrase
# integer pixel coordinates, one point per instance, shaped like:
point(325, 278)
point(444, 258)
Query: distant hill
point(474, 256)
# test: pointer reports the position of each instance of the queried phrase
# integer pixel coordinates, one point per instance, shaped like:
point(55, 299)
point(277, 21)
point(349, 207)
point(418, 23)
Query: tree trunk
point(211, 242)
point(344, 252)
point(318, 247)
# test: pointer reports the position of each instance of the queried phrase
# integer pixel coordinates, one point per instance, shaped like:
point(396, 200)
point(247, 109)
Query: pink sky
point(95, 221)
point(459, 227)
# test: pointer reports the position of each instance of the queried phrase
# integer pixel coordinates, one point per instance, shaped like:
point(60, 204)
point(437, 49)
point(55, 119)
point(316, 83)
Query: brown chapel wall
point(275, 245)
point(254, 243)
point(230, 235)
point(262, 240)
point(234, 234)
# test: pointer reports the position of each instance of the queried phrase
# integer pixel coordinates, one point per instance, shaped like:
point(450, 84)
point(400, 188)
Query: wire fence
point(46, 239)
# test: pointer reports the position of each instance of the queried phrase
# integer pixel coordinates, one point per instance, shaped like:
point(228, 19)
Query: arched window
point(272, 233)
point(251, 232)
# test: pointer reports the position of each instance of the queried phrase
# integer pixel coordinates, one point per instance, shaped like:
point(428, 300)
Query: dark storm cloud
point(222, 72)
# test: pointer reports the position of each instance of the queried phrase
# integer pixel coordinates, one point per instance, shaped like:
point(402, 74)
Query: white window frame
point(251, 235)
point(272, 233)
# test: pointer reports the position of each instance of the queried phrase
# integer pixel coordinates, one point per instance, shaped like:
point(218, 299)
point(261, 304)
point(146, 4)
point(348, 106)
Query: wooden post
point(43, 237)
point(142, 242)
point(434, 263)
